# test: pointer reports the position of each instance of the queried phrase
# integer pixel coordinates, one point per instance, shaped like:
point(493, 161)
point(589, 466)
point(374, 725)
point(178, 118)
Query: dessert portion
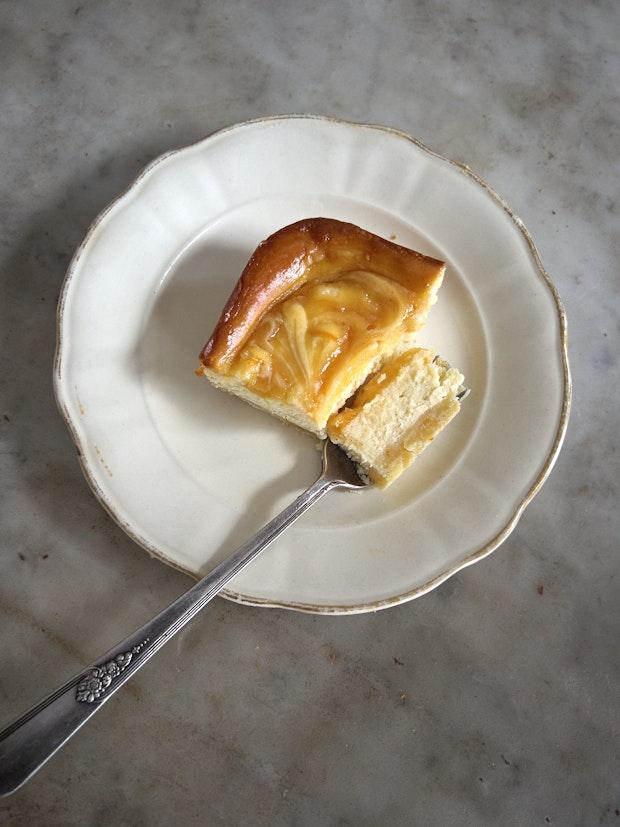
point(396, 413)
point(319, 331)
point(320, 305)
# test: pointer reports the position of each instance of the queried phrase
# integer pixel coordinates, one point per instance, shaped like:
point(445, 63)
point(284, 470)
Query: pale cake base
point(399, 411)
point(289, 412)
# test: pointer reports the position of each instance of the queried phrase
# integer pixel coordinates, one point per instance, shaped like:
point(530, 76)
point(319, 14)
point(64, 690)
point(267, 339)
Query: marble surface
point(493, 700)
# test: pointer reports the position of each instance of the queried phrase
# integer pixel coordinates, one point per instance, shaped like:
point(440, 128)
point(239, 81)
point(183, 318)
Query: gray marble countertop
point(493, 700)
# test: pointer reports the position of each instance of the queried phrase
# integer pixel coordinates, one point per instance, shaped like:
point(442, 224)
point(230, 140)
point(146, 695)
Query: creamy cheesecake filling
point(321, 341)
point(396, 413)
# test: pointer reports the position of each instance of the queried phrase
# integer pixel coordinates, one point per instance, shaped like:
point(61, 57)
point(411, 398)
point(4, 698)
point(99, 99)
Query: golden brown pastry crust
point(312, 249)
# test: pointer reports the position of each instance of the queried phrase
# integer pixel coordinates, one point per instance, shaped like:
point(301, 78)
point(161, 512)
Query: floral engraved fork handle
point(28, 742)
point(96, 681)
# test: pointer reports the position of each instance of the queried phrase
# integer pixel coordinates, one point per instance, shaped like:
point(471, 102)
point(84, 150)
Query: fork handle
point(27, 743)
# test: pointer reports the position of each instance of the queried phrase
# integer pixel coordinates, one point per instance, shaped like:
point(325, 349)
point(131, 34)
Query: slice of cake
point(319, 306)
point(397, 412)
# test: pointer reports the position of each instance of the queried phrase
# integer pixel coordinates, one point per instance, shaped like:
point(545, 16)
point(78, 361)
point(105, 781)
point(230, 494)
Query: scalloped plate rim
point(309, 608)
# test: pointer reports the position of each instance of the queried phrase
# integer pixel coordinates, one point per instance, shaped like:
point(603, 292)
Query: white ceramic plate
point(189, 472)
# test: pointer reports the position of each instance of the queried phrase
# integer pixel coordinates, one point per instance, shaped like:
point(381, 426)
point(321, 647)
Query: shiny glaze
point(316, 303)
point(307, 349)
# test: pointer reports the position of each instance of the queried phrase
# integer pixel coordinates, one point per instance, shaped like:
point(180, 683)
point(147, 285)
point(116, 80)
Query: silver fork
point(27, 743)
